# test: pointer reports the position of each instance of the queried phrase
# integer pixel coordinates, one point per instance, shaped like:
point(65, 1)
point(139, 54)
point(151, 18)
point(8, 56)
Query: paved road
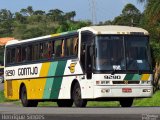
point(11, 112)
point(1, 86)
point(55, 113)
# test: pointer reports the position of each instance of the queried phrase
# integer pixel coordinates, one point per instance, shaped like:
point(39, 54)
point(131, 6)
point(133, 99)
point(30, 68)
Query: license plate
point(127, 90)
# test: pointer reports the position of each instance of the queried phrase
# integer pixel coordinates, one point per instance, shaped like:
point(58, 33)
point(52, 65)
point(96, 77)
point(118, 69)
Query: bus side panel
point(11, 90)
point(72, 72)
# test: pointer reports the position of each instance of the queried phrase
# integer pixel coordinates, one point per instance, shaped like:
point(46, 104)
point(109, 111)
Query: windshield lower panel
point(122, 53)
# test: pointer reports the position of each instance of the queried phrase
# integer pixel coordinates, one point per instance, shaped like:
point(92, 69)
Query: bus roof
point(40, 38)
point(114, 29)
point(97, 30)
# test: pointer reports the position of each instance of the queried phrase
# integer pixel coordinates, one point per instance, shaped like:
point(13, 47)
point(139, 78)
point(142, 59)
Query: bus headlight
point(146, 90)
point(105, 90)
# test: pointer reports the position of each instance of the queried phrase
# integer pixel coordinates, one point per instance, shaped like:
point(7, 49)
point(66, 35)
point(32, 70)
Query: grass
point(2, 98)
point(154, 101)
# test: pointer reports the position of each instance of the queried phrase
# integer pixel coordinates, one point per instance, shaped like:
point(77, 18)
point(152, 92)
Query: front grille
point(126, 82)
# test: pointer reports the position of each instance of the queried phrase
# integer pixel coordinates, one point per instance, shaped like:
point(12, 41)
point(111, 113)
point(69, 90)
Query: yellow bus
point(101, 63)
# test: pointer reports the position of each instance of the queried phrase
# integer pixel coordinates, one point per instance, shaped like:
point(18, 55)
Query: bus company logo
point(72, 67)
point(112, 77)
point(27, 71)
point(125, 82)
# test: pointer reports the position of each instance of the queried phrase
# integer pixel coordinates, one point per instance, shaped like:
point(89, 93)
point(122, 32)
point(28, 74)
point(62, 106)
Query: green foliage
point(130, 16)
point(28, 23)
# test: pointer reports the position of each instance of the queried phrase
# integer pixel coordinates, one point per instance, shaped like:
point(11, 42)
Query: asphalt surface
point(55, 113)
point(10, 111)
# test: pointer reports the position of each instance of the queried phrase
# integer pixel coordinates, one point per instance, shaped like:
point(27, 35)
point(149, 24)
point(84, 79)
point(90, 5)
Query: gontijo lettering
point(28, 71)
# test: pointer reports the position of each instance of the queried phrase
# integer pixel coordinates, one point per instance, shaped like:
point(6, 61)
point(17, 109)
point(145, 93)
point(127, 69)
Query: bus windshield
point(115, 52)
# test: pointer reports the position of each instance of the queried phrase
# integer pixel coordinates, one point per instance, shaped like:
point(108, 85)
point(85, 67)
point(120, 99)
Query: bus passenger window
point(58, 48)
point(41, 46)
point(13, 55)
point(18, 54)
point(68, 49)
point(8, 56)
point(72, 46)
point(63, 48)
point(29, 53)
point(52, 50)
point(75, 49)
point(35, 52)
point(47, 50)
point(24, 54)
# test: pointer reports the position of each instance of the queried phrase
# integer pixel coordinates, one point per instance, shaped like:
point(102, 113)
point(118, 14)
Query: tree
point(5, 15)
point(20, 18)
point(24, 12)
point(55, 15)
point(130, 16)
point(6, 22)
point(27, 12)
point(70, 15)
point(30, 10)
point(152, 24)
point(39, 12)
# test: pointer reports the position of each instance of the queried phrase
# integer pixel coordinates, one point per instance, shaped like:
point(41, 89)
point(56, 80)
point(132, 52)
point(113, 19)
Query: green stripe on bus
point(49, 81)
point(136, 77)
point(56, 86)
point(129, 77)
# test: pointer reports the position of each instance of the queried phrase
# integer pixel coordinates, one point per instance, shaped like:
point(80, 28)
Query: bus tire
point(76, 96)
point(25, 101)
point(127, 102)
point(65, 103)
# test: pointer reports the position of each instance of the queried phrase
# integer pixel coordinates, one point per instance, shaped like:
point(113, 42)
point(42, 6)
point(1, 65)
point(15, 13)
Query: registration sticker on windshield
point(116, 67)
point(139, 61)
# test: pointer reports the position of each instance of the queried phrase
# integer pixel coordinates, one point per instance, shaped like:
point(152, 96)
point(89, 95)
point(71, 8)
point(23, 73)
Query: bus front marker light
point(103, 90)
point(107, 90)
point(97, 82)
point(146, 82)
point(146, 90)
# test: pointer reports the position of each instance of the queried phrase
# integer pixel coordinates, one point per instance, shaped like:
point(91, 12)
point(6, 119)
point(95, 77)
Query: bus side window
point(63, 48)
point(68, 49)
point(71, 46)
point(47, 46)
point(8, 56)
point(35, 52)
point(18, 54)
point(49, 49)
point(24, 54)
point(58, 48)
point(41, 48)
point(52, 50)
point(75, 49)
point(29, 53)
point(13, 55)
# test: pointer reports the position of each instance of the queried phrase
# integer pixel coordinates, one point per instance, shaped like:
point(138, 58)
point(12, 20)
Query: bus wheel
point(65, 103)
point(127, 102)
point(76, 96)
point(25, 101)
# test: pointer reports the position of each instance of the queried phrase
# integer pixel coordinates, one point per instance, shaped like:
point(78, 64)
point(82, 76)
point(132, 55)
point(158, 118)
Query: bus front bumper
point(122, 91)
